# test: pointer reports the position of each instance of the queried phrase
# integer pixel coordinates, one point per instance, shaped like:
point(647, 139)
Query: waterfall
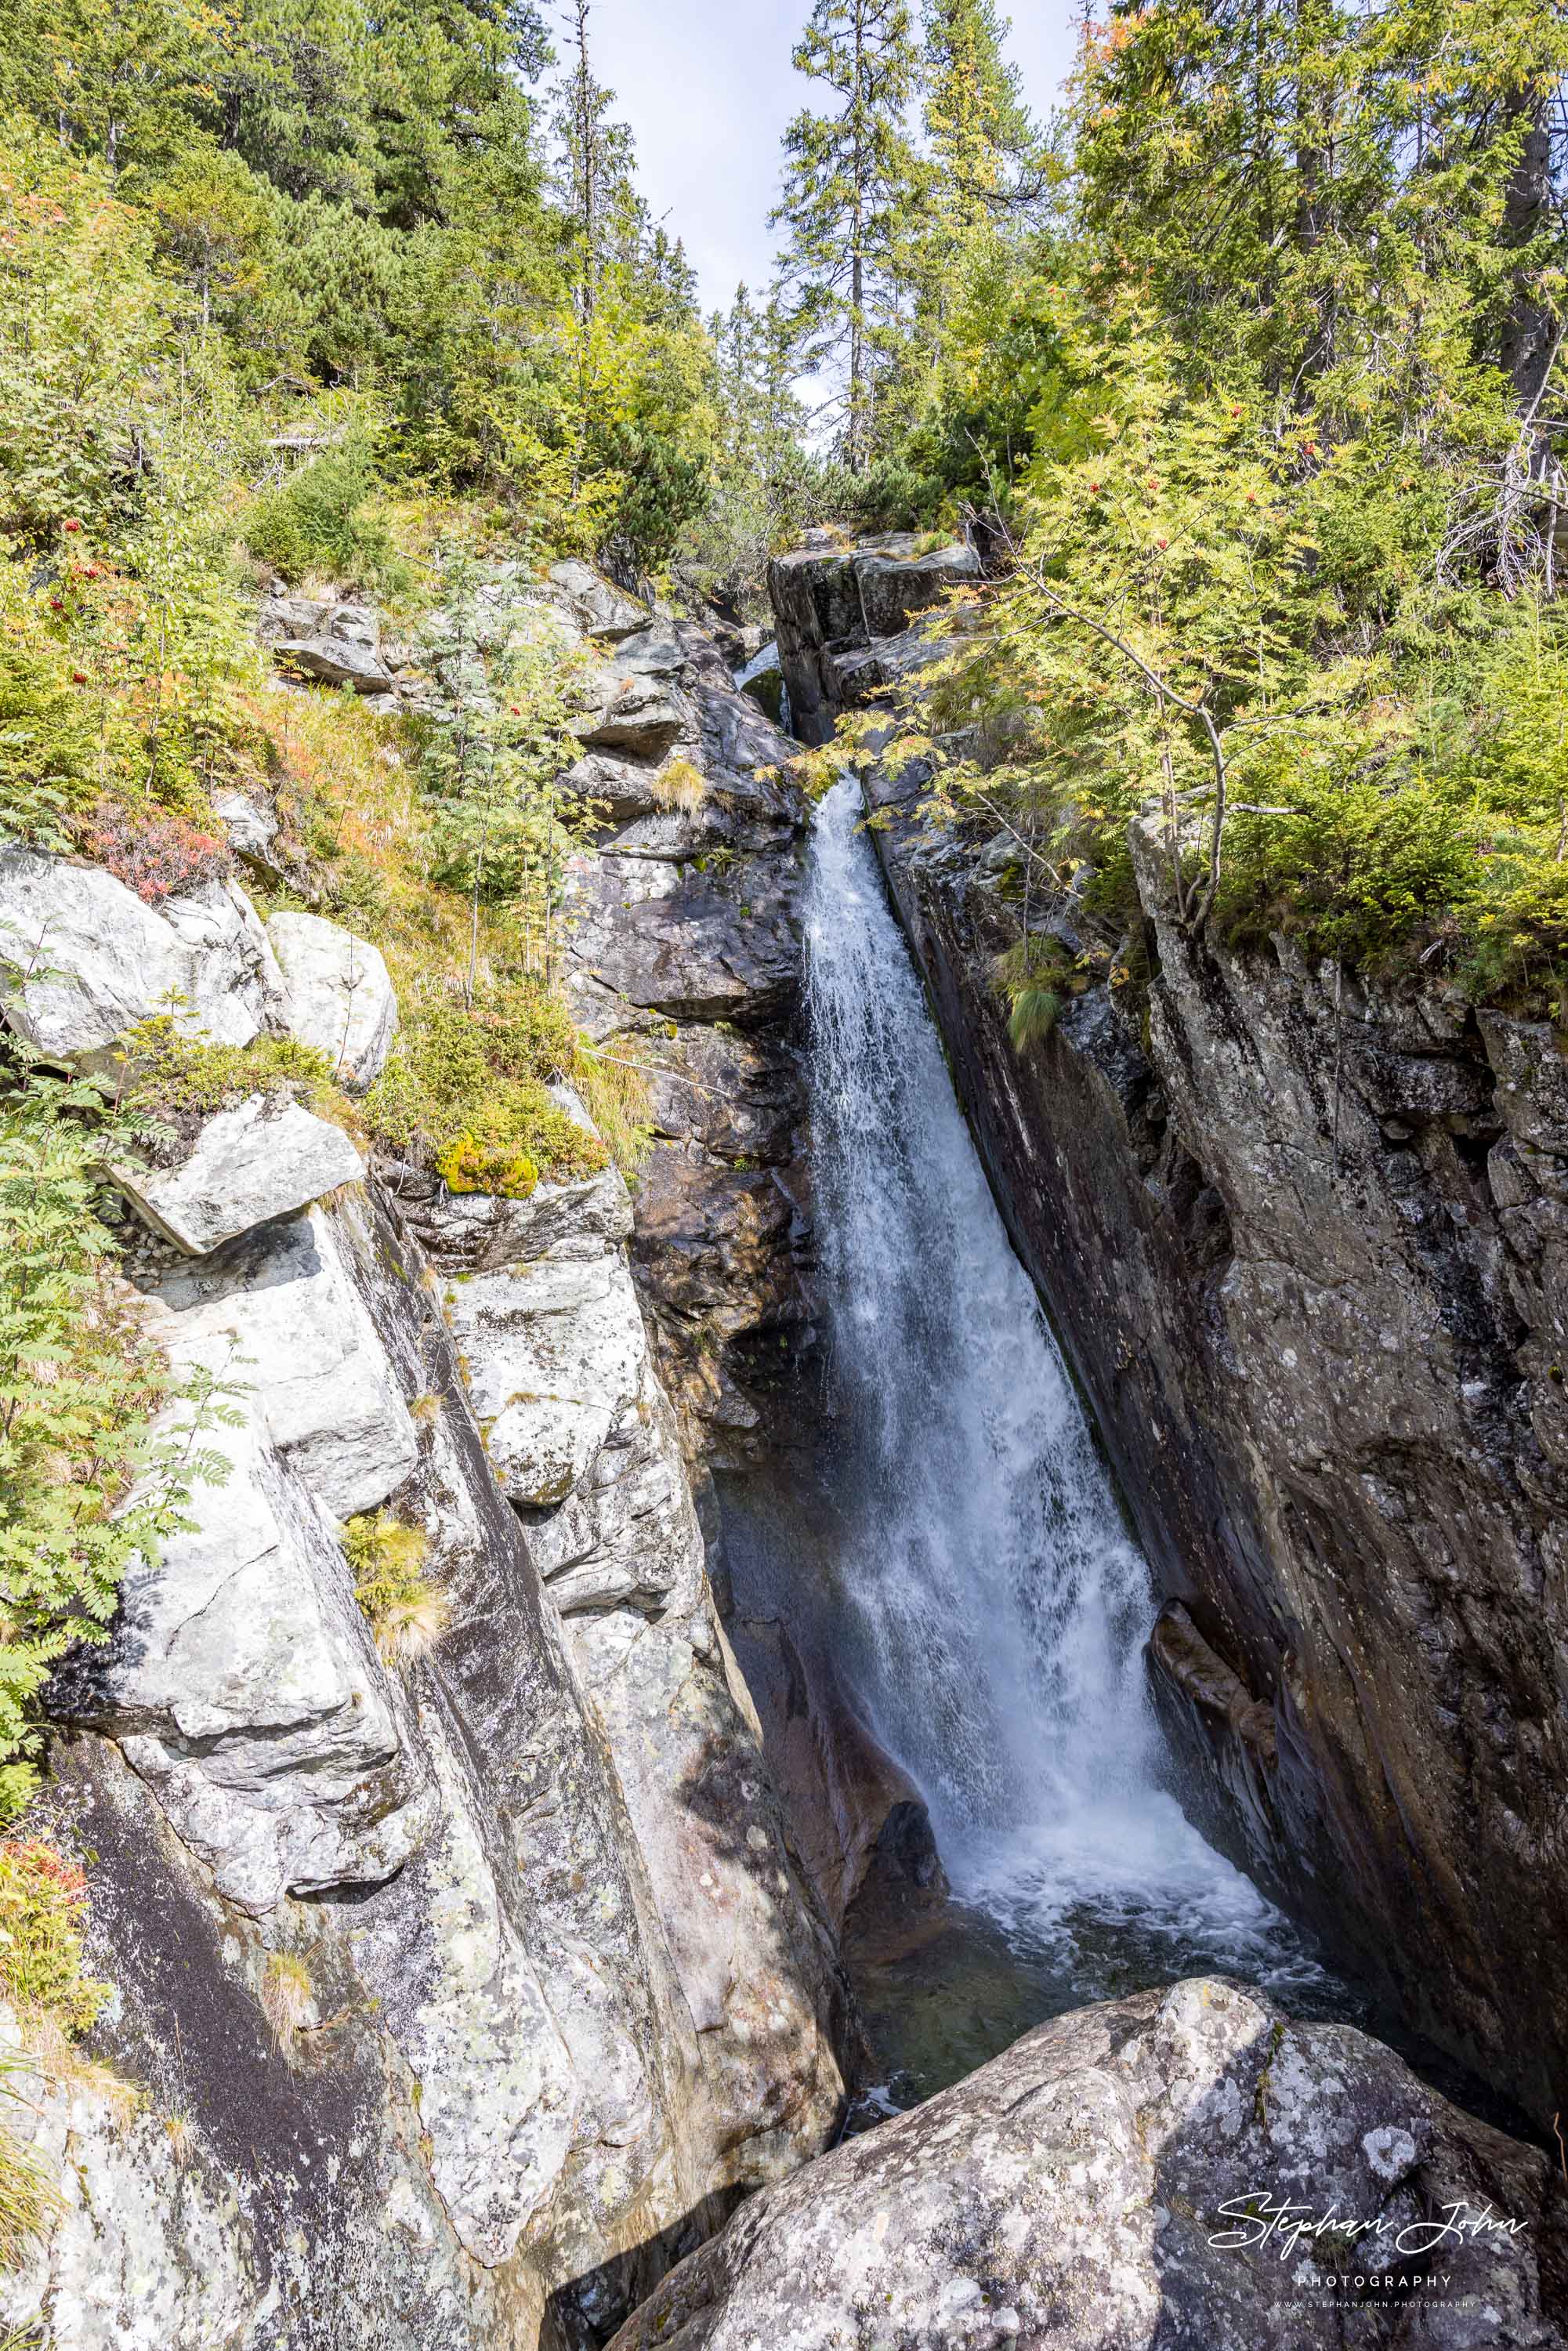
point(996, 1606)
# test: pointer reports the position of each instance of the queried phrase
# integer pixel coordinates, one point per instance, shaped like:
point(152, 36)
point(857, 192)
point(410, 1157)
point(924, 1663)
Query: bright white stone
point(82, 960)
point(260, 1160)
point(340, 997)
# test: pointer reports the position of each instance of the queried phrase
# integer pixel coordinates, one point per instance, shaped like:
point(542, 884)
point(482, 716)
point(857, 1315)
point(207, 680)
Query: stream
point(978, 1589)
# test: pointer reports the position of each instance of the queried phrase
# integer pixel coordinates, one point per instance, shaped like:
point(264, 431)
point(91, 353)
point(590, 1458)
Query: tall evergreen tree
point(976, 121)
point(849, 180)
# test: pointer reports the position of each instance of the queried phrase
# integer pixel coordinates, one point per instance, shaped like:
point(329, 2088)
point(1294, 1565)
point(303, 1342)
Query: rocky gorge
point(1301, 1235)
point(464, 1987)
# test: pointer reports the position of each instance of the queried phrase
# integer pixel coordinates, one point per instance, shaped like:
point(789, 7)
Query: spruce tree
point(851, 176)
point(978, 127)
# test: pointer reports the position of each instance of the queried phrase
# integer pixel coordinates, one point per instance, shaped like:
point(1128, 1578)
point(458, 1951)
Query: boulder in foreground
point(1086, 2191)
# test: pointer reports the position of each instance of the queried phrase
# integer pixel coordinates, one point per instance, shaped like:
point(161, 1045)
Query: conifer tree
point(977, 125)
point(850, 177)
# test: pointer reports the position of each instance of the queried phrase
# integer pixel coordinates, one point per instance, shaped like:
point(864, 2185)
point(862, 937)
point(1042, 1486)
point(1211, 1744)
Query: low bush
point(43, 1899)
point(173, 1081)
point(464, 1093)
point(322, 522)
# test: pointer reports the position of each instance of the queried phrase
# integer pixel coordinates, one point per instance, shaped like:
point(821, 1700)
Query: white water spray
point(997, 1608)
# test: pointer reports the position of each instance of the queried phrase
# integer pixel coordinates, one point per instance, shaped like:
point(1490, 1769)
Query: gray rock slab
point(264, 1159)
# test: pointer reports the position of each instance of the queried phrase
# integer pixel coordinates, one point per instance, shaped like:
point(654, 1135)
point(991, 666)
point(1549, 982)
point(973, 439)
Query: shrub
point(43, 1899)
point(680, 785)
point(153, 851)
point(177, 1079)
point(464, 1092)
point(321, 521)
point(287, 1996)
point(1037, 978)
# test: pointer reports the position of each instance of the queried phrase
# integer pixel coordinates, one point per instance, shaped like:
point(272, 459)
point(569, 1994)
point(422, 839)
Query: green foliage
point(1037, 978)
point(464, 1093)
point(90, 1480)
point(850, 174)
point(320, 522)
point(1280, 572)
point(174, 1080)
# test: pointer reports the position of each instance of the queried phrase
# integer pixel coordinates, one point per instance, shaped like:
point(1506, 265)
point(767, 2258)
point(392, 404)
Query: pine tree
point(851, 178)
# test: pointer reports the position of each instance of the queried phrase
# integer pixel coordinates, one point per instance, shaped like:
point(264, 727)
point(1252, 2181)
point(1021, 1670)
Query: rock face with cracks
point(1099, 2187)
point(83, 960)
point(844, 616)
point(466, 1974)
point(261, 1159)
point(582, 1439)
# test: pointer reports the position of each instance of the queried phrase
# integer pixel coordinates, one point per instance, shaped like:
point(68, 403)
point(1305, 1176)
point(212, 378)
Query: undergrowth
point(43, 1900)
point(173, 1081)
point(464, 1094)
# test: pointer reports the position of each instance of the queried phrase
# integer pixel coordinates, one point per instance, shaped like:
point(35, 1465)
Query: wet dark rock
point(854, 1815)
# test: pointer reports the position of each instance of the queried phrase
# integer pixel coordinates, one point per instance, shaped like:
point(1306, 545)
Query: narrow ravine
point(991, 1607)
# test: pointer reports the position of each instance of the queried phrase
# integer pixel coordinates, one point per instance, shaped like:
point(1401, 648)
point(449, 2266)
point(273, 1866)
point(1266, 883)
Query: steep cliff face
point(460, 1984)
point(1304, 1241)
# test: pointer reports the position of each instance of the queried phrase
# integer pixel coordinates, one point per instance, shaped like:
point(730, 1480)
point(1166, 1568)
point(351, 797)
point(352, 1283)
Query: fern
point(88, 1482)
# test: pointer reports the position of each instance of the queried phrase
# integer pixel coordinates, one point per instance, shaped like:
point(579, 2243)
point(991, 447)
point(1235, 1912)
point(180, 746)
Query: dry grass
point(411, 1625)
point(680, 785)
point(29, 2199)
point(407, 1611)
point(287, 1997)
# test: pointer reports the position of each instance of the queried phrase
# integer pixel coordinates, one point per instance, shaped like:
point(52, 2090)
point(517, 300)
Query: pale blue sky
point(708, 87)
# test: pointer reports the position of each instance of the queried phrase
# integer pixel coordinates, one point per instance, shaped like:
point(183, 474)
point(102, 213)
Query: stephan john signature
point(1263, 2218)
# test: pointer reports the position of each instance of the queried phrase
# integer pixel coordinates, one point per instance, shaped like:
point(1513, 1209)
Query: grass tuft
point(287, 1997)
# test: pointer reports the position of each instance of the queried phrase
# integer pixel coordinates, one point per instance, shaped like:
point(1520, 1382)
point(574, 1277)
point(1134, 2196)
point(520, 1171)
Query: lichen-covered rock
point(82, 960)
point(243, 1685)
point(280, 1315)
point(581, 1435)
point(630, 711)
point(245, 1689)
point(264, 1159)
point(1116, 2179)
point(683, 952)
point(555, 1350)
point(340, 998)
point(482, 2121)
point(122, 2272)
point(606, 611)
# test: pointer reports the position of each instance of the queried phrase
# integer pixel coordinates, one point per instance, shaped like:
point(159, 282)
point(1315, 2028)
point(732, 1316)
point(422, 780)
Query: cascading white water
point(996, 1607)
